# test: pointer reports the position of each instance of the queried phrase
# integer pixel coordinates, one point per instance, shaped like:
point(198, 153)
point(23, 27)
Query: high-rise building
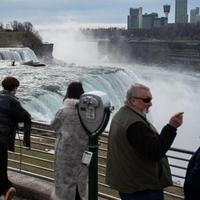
point(160, 21)
point(195, 15)
point(134, 20)
point(181, 11)
point(148, 20)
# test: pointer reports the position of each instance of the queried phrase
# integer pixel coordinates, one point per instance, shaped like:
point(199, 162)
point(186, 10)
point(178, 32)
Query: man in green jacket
point(137, 166)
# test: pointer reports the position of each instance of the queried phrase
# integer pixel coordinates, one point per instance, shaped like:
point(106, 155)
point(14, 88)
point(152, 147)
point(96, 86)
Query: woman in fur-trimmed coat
point(71, 142)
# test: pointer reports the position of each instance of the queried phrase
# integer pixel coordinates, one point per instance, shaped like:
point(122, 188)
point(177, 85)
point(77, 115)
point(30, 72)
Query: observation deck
point(31, 171)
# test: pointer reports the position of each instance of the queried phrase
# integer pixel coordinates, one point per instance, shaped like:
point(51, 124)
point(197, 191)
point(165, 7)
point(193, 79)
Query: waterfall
point(18, 54)
point(174, 90)
point(46, 101)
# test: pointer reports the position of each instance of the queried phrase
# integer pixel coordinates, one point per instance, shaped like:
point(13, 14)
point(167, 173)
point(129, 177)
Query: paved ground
point(15, 198)
point(18, 198)
point(31, 188)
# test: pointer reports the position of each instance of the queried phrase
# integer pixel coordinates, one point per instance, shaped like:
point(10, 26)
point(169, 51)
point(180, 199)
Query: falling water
point(42, 88)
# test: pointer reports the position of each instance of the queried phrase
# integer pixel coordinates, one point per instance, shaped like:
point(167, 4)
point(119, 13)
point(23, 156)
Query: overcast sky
point(40, 12)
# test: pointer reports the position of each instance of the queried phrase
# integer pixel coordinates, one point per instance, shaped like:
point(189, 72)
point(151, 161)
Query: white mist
point(174, 90)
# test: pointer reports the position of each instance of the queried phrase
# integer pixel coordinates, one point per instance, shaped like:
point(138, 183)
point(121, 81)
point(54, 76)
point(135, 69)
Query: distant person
point(11, 113)
point(13, 63)
point(192, 178)
point(137, 166)
point(70, 172)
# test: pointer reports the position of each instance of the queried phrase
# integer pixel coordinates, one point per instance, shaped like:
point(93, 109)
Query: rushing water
point(42, 88)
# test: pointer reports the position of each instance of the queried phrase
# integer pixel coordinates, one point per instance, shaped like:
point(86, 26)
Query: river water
point(76, 58)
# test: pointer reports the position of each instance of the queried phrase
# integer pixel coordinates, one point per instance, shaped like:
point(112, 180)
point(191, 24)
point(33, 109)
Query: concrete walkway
point(15, 198)
point(31, 188)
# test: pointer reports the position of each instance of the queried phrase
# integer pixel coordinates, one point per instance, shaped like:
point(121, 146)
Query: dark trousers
point(144, 195)
point(5, 184)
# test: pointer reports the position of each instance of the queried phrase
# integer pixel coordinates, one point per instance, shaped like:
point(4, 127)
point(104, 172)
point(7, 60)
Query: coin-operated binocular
point(94, 110)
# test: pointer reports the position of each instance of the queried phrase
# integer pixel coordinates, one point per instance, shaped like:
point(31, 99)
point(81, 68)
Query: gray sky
point(40, 12)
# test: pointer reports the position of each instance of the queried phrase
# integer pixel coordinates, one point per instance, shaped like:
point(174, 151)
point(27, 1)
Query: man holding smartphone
point(136, 162)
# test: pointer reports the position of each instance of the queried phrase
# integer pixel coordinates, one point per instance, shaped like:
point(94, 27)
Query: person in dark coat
point(11, 113)
point(192, 178)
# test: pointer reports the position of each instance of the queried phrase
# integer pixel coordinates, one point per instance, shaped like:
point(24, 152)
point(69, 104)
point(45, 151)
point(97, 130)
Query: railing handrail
point(42, 167)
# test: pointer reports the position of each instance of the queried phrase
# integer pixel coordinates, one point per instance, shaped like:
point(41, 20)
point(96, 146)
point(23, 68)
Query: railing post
point(93, 168)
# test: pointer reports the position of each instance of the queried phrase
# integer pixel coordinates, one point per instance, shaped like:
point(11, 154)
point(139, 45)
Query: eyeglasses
point(145, 100)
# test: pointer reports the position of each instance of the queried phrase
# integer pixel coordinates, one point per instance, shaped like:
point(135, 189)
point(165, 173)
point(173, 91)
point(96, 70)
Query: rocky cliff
point(24, 39)
point(153, 51)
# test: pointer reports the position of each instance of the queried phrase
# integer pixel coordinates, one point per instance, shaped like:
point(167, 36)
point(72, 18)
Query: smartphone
point(181, 113)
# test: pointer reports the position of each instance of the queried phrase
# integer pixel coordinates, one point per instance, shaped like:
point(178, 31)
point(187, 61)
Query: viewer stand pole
point(94, 112)
point(93, 168)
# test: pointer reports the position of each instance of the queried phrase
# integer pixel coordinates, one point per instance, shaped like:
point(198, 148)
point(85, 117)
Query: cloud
point(105, 11)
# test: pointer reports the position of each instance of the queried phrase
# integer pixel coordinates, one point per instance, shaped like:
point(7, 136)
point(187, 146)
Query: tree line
point(31, 37)
point(168, 32)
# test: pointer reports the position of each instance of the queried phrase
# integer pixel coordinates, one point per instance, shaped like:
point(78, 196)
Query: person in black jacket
point(11, 113)
point(192, 178)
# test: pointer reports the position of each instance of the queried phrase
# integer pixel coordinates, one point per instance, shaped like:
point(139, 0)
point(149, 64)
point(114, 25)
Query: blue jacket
point(12, 113)
point(192, 179)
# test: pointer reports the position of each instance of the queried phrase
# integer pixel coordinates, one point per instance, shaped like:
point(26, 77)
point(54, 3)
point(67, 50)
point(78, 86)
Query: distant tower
point(166, 9)
point(181, 15)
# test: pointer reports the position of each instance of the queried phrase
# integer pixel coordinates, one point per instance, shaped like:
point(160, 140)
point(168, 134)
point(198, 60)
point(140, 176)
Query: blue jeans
point(144, 195)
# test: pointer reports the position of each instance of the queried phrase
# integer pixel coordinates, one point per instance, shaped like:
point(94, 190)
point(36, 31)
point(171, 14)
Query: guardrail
point(38, 161)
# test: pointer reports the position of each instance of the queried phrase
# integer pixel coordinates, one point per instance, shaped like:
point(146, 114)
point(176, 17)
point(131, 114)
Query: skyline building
point(148, 20)
point(159, 22)
point(134, 20)
point(195, 15)
point(181, 15)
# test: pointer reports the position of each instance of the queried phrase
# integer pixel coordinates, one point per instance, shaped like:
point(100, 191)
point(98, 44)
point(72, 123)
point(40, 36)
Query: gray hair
point(134, 91)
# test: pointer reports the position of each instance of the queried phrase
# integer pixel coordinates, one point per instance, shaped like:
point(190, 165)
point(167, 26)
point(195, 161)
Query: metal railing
point(38, 161)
